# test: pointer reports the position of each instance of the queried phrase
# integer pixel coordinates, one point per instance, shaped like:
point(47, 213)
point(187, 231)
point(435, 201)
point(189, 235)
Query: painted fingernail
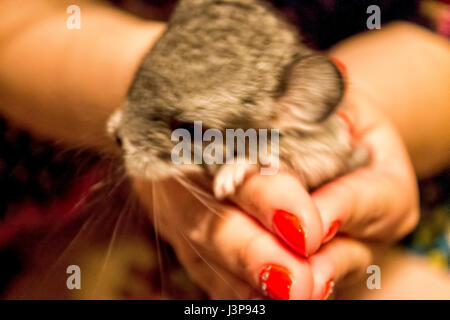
point(329, 286)
point(276, 282)
point(289, 229)
point(331, 231)
point(342, 68)
point(347, 120)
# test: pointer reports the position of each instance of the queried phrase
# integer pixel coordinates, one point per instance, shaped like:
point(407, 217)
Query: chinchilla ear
point(312, 88)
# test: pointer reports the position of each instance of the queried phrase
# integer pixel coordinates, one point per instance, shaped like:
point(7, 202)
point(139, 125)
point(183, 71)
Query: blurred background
point(60, 207)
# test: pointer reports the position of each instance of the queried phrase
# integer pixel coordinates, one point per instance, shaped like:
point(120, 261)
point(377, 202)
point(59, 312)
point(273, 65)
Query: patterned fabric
point(432, 236)
point(37, 190)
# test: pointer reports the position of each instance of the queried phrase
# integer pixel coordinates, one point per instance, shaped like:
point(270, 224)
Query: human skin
point(75, 78)
point(89, 79)
point(377, 203)
point(393, 70)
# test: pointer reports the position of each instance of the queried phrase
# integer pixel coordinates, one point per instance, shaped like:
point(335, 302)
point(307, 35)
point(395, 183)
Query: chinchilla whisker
point(156, 212)
point(209, 264)
point(89, 225)
point(202, 196)
point(126, 212)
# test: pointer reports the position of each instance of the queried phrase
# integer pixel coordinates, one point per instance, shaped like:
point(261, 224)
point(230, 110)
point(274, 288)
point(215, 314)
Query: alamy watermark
point(374, 20)
point(73, 22)
point(374, 280)
point(74, 280)
point(238, 146)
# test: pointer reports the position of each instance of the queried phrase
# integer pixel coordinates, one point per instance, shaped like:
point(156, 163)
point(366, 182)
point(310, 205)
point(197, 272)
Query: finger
point(178, 228)
point(219, 283)
point(258, 257)
point(342, 258)
point(281, 204)
point(237, 243)
point(376, 202)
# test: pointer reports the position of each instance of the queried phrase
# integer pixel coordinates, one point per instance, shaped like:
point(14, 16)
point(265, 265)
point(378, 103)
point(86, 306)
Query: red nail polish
point(276, 282)
point(329, 286)
point(331, 231)
point(289, 229)
point(346, 119)
point(342, 68)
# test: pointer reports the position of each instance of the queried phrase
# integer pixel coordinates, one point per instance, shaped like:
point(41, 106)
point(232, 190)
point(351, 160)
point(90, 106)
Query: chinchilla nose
point(117, 138)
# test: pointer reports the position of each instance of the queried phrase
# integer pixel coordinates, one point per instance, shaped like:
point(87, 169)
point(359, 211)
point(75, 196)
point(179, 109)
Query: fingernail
point(289, 229)
point(346, 119)
point(341, 66)
point(331, 231)
point(329, 286)
point(276, 282)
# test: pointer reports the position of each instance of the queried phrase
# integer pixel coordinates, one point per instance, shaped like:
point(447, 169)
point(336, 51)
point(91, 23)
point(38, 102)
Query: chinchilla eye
point(189, 126)
point(176, 124)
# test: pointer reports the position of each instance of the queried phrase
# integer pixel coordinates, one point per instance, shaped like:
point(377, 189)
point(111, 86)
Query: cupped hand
point(226, 251)
point(280, 241)
point(377, 203)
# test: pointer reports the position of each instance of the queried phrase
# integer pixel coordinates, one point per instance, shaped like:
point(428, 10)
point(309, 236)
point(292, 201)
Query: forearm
point(63, 84)
point(406, 71)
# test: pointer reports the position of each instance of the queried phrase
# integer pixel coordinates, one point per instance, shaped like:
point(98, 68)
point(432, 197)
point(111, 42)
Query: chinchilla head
point(228, 64)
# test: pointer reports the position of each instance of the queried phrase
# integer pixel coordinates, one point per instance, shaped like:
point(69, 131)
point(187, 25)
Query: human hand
point(228, 253)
